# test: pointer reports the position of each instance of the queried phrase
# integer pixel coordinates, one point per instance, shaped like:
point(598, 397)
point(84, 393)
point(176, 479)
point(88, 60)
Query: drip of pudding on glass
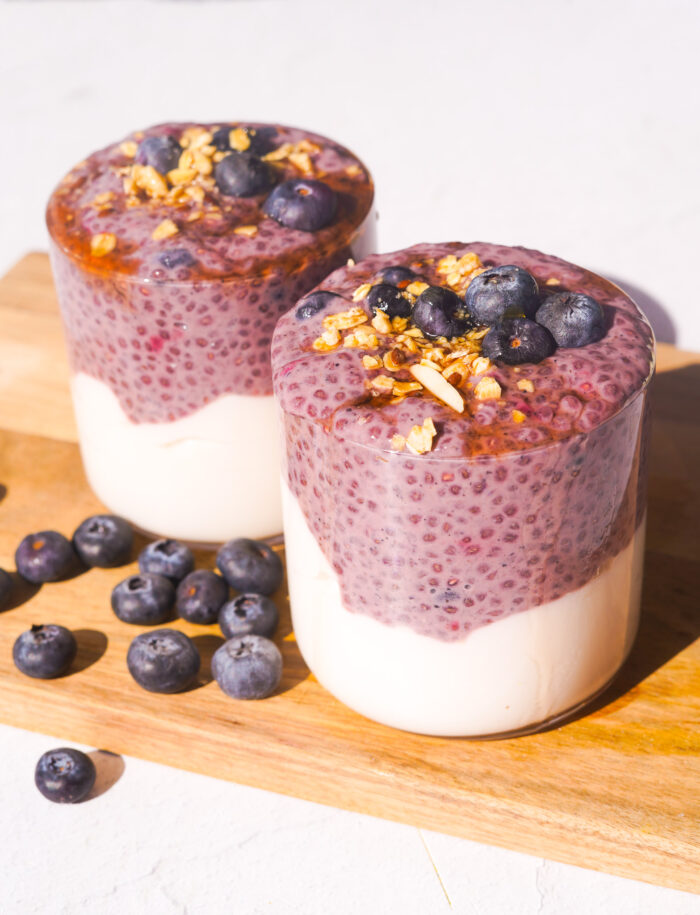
point(465, 432)
point(174, 252)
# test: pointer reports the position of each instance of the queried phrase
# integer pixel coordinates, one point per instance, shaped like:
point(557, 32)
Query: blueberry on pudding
point(174, 253)
point(464, 485)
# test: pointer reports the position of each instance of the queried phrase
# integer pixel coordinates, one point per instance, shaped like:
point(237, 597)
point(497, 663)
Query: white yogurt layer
point(205, 478)
point(514, 673)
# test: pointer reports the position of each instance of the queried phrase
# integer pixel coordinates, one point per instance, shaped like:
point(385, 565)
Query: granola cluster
point(401, 361)
point(188, 187)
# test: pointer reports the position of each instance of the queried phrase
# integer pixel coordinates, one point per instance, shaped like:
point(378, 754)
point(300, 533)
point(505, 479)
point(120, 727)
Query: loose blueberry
point(516, 340)
point(302, 203)
point(177, 257)
point(65, 776)
point(146, 599)
point(104, 541)
point(45, 556)
point(499, 290)
point(438, 312)
point(167, 557)
point(162, 153)
point(5, 587)
point(247, 668)
point(314, 303)
point(262, 139)
point(573, 319)
point(164, 661)
point(397, 276)
point(249, 565)
point(200, 596)
point(249, 614)
point(241, 174)
point(387, 298)
point(45, 652)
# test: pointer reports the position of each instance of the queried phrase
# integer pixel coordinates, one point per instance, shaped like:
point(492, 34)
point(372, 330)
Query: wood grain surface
point(616, 789)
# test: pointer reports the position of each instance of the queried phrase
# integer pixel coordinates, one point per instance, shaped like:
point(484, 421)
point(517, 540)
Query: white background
point(563, 125)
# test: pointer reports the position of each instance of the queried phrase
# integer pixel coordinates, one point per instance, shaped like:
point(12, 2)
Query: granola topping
point(123, 185)
point(448, 370)
point(385, 374)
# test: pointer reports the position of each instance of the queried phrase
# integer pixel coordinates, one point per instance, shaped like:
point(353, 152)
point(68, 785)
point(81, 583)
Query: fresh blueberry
point(221, 138)
point(200, 596)
point(104, 541)
point(177, 257)
point(249, 614)
point(302, 203)
point(241, 174)
point(164, 661)
point(162, 153)
point(167, 557)
point(499, 290)
point(5, 587)
point(573, 319)
point(517, 340)
point(314, 303)
point(249, 565)
point(387, 298)
point(146, 599)
point(45, 556)
point(437, 312)
point(45, 652)
point(249, 667)
point(262, 139)
point(397, 276)
point(65, 776)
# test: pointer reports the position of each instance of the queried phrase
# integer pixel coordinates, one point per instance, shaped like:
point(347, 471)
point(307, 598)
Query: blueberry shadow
point(22, 591)
point(670, 613)
point(76, 570)
point(659, 318)
point(206, 645)
point(92, 644)
point(109, 767)
point(3, 491)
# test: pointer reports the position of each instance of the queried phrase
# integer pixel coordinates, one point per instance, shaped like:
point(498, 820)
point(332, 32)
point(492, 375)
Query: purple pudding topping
point(444, 517)
point(171, 281)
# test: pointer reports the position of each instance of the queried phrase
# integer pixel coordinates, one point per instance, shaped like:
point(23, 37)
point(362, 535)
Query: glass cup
point(170, 367)
point(480, 594)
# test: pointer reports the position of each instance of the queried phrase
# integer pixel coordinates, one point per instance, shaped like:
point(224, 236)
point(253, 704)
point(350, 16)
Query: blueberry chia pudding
point(464, 449)
point(174, 253)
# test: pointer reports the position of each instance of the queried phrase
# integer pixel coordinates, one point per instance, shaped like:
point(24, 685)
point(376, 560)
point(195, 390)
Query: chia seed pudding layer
point(522, 498)
point(170, 288)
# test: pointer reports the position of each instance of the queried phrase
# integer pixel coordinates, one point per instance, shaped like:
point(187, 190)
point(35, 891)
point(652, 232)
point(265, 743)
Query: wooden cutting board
point(617, 789)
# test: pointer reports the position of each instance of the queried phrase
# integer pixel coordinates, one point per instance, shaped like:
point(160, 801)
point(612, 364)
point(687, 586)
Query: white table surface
point(572, 127)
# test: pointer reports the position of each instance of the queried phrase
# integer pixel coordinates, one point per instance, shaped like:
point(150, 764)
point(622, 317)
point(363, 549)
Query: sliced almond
point(433, 381)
